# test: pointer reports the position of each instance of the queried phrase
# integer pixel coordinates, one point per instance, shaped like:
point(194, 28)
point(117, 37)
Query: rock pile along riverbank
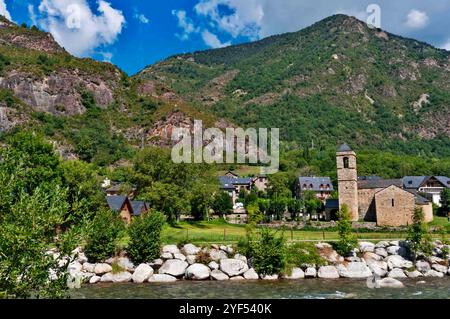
point(388, 260)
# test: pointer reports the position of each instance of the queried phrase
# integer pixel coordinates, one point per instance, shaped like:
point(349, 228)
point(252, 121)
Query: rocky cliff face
point(59, 93)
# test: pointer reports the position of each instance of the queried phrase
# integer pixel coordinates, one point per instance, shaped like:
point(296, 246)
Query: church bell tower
point(347, 180)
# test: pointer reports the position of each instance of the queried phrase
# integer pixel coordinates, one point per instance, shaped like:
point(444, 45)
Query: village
point(371, 199)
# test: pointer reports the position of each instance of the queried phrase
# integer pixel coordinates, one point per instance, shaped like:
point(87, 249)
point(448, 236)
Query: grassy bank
point(221, 232)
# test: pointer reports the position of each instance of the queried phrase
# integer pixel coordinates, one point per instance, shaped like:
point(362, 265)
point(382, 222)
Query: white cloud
point(142, 18)
point(417, 19)
point(446, 46)
point(77, 28)
point(185, 23)
point(107, 56)
point(212, 40)
point(32, 14)
point(4, 10)
point(242, 18)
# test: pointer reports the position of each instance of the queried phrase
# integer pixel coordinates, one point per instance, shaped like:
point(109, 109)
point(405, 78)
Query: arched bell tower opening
point(347, 179)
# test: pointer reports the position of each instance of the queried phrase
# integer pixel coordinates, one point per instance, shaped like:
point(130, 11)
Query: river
point(423, 288)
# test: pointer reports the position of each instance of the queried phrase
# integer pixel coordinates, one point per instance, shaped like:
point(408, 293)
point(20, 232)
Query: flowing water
point(423, 288)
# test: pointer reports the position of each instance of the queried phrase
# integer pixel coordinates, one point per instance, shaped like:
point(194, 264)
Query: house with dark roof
point(430, 187)
point(233, 185)
point(125, 207)
point(321, 186)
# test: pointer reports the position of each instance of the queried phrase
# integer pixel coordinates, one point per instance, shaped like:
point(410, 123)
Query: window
point(346, 162)
point(393, 202)
point(410, 182)
point(311, 186)
point(304, 186)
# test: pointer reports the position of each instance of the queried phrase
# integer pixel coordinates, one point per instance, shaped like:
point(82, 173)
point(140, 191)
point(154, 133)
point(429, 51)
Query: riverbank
point(387, 263)
point(423, 288)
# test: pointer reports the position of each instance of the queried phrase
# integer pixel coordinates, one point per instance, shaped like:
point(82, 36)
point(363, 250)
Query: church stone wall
point(366, 204)
point(394, 207)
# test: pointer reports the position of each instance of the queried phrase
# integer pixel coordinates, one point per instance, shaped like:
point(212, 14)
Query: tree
point(169, 198)
point(278, 207)
point(145, 237)
point(445, 202)
point(102, 236)
point(267, 251)
point(84, 195)
point(418, 235)
point(32, 206)
point(201, 199)
point(347, 240)
point(222, 203)
point(294, 207)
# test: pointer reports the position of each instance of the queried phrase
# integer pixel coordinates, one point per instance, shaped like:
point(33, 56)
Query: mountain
point(337, 80)
point(90, 110)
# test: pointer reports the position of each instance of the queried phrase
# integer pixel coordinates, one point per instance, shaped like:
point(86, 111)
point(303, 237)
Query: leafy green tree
point(418, 235)
point(347, 240)
point(278, 207)
point(32, 207)
point(445, 202)
point(145, 237)
point(294, 207)
point(168, 198)
point(201, 198)
point(103, 235)
point(255, 216)
point(222, 203)
point(84, 195)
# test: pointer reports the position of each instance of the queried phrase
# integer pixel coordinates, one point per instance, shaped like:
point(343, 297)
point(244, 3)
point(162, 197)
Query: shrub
point(299, 254)
point(268, 252)
point(203, 258)
point(102, 236)
point(347, 240)
point(418, 235)
point(145, 237)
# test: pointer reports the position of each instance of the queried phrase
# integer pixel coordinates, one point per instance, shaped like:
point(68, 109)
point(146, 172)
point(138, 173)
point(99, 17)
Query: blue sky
point(135, 33)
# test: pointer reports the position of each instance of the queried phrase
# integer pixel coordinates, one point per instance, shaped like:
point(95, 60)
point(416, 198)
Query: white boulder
point(167, 256)
point(365, 246)
point(198, 272)
point(102, 268)
point(190, 249)
point(172, 249)
point(354, 270)
point(296, 273)
point(396, 261)
point(422, 266)
point(219, 275)
point(95, 279)
point(397, 273)
point(381, 252)
point(217, 255)
point(413, 274)
point(390, 283)
point(233, 267)
point(142, 273)
point(240, 257)
point(310, 272)
point(213, 265)
point(88, 267)
point(123, 276)
point(179, 256)
point(251, 274)
point(328, 272)
point(433, 273)
point(440, 268)
point(191, 259)
point(269, 277)
point(161, 278)
point(173, 267)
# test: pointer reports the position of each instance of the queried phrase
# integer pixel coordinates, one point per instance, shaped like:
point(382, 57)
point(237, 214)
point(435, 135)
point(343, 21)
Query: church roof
point(344, 148)
point(379, 183)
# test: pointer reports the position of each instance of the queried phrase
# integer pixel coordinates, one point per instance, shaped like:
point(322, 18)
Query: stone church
point(370, 198)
